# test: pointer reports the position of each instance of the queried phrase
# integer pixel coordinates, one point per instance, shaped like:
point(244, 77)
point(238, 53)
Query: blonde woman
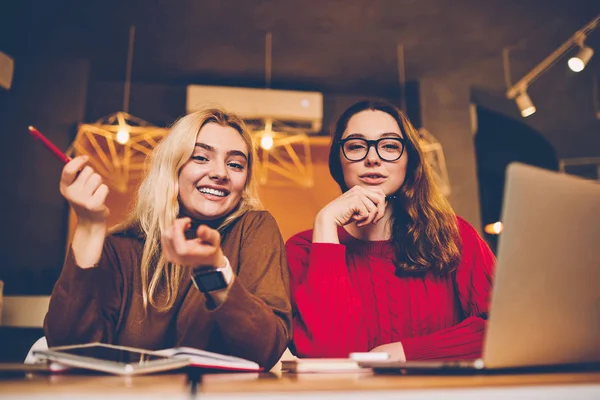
point(197, 264)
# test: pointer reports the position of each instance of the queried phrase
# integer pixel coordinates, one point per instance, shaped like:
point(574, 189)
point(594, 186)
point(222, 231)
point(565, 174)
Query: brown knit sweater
point(105, 303)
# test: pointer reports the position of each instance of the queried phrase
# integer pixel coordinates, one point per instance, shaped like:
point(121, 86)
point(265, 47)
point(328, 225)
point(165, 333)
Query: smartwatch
point(209, 279)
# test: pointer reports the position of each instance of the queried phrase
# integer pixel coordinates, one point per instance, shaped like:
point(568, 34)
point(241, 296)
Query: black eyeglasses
point(387, 148)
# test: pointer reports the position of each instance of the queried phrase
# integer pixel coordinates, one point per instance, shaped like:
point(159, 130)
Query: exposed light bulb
point(266, 142)
point(123, 135)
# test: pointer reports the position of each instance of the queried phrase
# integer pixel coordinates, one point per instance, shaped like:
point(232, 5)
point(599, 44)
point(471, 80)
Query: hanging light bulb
point(525, 104)
point(122, 135)
point(580, 60)
point(118, 144)
point(266, 142)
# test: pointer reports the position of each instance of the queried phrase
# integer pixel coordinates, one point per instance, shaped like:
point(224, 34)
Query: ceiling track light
point(580, 60)
point(518, 90)
point(525, 104)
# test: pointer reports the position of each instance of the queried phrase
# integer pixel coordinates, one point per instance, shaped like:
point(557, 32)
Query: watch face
point(209, 281)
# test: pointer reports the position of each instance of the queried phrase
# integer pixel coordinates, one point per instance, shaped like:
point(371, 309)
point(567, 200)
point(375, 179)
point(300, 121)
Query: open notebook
point(206, 359)
point(131, 361)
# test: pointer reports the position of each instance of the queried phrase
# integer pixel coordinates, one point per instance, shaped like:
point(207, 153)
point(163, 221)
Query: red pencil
point(38, 135)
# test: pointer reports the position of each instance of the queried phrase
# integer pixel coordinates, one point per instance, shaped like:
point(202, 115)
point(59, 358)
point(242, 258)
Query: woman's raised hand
point(356, 205)
point(83, 188)
point(203, 250)
point(359, 204)
point(85, 192)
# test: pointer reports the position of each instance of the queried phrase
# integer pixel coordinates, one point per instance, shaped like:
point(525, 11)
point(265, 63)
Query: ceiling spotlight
point(494, 229)
point(579, 61)
point(525, 104)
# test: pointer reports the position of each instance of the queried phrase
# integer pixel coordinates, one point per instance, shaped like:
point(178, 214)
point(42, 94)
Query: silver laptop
point(545, 306)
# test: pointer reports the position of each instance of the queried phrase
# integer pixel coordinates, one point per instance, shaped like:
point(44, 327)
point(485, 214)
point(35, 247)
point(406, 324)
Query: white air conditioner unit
point(288, 109)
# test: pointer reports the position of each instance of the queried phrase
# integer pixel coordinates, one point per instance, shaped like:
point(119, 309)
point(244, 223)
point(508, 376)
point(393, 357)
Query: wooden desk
point(347, 386)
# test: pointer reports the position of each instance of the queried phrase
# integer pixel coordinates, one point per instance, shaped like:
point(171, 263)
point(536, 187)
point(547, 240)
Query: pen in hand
point(38, 135)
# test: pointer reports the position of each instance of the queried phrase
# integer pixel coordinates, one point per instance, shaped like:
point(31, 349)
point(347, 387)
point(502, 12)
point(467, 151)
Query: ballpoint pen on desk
point(38, 135)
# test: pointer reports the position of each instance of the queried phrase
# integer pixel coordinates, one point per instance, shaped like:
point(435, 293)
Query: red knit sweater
point(347, 298)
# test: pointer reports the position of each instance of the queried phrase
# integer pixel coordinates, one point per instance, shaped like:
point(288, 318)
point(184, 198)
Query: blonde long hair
point(158, 200)
point(424, 227)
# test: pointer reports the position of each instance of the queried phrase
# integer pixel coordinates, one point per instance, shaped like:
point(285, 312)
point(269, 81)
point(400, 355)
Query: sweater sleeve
point(326, 307)
point(473, 280)
point(85, 303)
point(255, 319)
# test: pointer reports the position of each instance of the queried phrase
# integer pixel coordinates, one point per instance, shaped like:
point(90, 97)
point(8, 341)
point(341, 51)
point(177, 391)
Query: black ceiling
point(340, 46)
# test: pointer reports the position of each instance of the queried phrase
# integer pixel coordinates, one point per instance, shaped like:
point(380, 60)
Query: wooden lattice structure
point(121, 165)
point(287, 162)
point(434, 156)
point(288, 159)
